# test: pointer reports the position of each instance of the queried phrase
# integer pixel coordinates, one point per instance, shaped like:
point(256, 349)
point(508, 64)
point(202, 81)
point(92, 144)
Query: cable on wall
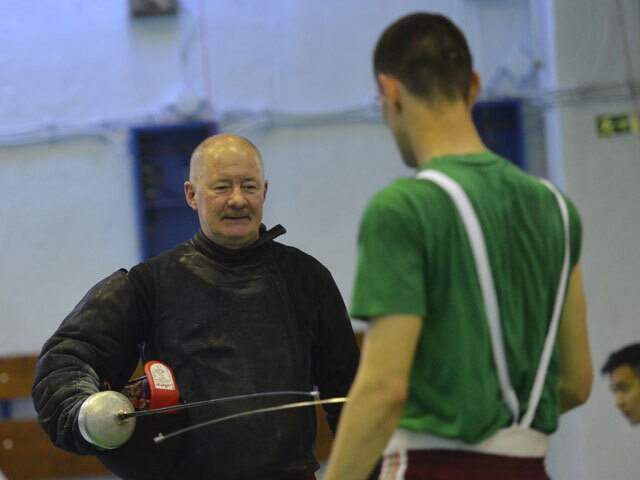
point(627, 56)
point(627, 61)
point(206, 67)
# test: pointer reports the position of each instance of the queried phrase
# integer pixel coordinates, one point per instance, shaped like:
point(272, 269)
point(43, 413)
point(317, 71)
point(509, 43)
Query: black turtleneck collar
point(260, 247)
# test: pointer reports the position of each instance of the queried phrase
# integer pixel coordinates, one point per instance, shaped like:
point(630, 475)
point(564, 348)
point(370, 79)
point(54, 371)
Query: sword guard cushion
point(162, 385)
point(156, 389)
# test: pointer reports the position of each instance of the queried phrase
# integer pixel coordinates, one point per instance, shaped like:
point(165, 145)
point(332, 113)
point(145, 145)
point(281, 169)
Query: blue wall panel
point(162, 156)
point(500, 125)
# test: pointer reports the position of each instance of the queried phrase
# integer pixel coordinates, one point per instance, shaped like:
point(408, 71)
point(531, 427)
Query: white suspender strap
point(538, 383)
point(481, 258)
point(490, 300)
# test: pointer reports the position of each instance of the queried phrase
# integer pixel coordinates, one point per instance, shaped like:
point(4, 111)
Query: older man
point(231, 312)
point(462, 273)
point(623, 367)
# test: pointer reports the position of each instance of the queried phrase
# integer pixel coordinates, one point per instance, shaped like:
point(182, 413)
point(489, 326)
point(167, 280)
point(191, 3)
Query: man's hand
point(99, 422)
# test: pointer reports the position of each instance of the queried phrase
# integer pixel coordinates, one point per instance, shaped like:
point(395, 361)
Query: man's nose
point(236, 198)
point(619, 400)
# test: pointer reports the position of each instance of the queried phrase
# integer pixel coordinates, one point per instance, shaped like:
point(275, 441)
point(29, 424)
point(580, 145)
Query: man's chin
point(237, 227)
point(239, 238)
point(632, 419)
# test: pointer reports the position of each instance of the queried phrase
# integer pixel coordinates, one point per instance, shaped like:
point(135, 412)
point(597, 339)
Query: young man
point(231, 312)
point(459, 311)
point(623, 368)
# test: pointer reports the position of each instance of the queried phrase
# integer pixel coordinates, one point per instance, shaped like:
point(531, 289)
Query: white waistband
point(513, 441)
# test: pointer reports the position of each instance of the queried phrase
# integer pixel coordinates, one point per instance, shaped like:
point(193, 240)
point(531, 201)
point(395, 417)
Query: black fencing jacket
point(267, 317)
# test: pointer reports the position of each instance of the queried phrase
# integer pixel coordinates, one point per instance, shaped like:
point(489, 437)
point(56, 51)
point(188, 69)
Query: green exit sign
point(609, 125)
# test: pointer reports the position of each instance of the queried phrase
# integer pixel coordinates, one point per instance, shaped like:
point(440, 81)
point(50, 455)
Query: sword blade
point(161, 437)
point(185, 406)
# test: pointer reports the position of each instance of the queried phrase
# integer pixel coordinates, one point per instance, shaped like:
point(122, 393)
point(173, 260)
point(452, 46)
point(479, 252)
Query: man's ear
point(474, 89)
point(190, 194)
point(266, 187)
point(390, 90)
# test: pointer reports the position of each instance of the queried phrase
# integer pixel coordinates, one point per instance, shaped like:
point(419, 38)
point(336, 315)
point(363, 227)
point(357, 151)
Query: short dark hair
point(428, 54)
point(629, 355)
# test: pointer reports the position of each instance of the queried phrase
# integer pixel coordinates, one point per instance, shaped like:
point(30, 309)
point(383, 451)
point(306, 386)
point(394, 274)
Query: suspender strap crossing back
point(490, 299)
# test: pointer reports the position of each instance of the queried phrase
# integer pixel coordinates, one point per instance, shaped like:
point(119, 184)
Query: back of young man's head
point(428, 54)
point(629, 355)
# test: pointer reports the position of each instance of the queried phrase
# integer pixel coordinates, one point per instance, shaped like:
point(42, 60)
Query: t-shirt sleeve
point(389, 277)
point(575, 233)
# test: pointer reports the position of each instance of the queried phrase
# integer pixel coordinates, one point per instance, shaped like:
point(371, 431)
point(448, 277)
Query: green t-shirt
point(414, 258)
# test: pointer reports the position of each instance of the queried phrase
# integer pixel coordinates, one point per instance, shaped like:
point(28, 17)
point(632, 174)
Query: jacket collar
point(260, 247)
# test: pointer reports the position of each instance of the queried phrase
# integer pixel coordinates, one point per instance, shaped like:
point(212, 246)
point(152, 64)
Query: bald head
point(218, 147)
point(227, 188)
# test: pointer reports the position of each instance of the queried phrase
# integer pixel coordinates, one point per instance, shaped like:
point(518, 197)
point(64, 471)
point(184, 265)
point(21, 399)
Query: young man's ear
point(390, 89)
point(474, 89)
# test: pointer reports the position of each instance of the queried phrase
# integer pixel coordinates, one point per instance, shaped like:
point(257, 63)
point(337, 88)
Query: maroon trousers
point(458, 465)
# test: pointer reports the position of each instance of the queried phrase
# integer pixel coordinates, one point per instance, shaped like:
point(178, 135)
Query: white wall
point(601, 176)
point(66, 220)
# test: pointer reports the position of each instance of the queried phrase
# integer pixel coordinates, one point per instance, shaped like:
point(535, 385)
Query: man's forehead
point(226, 176)
point(231, 166)
point(230, 163)
point(623, 375)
